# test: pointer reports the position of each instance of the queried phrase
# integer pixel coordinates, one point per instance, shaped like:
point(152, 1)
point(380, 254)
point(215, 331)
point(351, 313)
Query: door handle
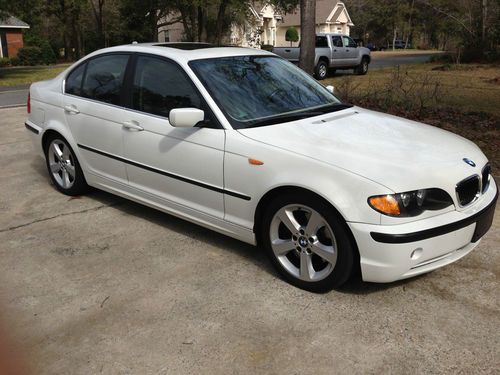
point(71, 109)
point(132, 125)
point(287, 50)
point(334, 50)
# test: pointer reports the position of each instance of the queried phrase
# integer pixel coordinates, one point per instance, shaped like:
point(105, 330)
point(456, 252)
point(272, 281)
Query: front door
point(181, 168)
point(338, 51)
point(351, 51)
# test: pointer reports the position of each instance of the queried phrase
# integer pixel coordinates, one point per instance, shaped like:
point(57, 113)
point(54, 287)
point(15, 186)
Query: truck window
point(321, 42)
point(337, 41)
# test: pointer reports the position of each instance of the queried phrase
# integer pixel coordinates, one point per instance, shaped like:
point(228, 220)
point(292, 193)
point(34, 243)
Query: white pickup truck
point(333, 51)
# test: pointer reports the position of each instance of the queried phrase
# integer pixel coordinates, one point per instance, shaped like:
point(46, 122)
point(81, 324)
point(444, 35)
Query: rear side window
point(74, 81)
point(337, 41)
point(103, 79)
point(160, 86)
point(321, 41)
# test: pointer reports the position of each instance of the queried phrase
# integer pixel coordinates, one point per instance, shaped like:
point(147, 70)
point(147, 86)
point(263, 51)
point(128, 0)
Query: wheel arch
point(288, 189)
point(324, 59)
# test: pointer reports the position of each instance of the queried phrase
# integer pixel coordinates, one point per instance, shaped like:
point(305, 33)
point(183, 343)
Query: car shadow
point(253, 254)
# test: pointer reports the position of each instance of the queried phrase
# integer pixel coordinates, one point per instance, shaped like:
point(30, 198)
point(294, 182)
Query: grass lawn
point(464, 99)
point(26, 75)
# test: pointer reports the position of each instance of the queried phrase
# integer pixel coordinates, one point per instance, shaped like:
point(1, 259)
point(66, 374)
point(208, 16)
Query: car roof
point(184, 52)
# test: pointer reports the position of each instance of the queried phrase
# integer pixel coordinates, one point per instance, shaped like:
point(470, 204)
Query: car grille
point(485, 177)
point(468, 190)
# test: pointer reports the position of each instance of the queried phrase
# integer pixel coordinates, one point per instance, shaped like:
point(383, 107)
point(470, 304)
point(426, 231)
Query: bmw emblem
point(470, 162)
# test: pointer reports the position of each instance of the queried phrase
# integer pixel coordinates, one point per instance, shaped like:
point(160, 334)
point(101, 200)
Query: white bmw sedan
point(245, 143)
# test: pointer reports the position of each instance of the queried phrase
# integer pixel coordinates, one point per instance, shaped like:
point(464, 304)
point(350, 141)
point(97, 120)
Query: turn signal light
point(255, 162)
point(386, 204)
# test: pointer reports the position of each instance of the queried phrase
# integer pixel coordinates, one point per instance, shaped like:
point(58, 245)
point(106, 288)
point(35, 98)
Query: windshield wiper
point(298, 116)
point(282, 118)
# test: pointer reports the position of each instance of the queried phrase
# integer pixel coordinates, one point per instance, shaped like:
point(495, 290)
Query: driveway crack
point(59, 215)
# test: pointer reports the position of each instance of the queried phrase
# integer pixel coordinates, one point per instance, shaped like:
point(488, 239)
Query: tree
point(307, 35)
point(292, 35)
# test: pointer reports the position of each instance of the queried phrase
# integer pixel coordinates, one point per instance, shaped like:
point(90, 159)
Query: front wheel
point(321, 70)
point(362, 68)
point(307, 242)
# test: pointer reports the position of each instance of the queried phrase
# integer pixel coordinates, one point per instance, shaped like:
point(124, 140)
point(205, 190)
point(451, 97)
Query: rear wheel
point(63, 167)
point(307, 242)
point(321, 70)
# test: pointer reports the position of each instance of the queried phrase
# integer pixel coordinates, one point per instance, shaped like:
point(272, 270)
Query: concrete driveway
point(98, 284)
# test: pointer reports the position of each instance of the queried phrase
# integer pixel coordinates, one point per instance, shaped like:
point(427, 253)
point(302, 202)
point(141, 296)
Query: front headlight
point(410, 203)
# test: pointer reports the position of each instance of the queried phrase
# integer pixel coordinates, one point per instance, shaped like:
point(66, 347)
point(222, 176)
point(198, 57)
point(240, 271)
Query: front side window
point(104, 78)
point(262, 90)
point(349, 42)
point(74, 81)
point(160, 86)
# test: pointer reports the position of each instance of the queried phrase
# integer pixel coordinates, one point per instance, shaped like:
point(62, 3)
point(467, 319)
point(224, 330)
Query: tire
point(321, 70)
point(63, 166)
point(362, 68)
point(316, 229)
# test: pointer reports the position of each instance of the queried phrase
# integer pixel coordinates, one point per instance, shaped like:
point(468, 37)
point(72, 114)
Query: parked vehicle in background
point(399, 44)
point(333, 51)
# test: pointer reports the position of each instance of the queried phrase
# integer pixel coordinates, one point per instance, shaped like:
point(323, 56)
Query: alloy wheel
point(303, 242)
point(62, 163)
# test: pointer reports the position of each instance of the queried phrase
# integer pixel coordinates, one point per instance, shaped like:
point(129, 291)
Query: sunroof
point(186, 46)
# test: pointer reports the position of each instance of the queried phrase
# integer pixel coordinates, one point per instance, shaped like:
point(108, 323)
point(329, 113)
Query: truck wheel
point(362, 68)
point(321, 70)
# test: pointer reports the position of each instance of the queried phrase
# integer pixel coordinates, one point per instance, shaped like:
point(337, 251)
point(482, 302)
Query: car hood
point(400, 154)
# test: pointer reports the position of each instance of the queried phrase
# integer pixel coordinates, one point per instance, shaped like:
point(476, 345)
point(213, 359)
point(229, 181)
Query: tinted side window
point(160, 86)
point(321, 41)
point(337, 41)
point(74, 81)
point(104, 78)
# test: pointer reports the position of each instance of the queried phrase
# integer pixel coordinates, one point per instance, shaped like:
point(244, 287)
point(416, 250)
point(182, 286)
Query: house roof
point(324, 9)
point(13, 22)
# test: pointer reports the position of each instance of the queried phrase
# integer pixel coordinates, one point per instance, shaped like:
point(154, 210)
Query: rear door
point(92, 105)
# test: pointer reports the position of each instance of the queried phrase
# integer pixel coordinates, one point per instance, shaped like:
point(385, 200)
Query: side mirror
point(185, 117)
point(330, 88)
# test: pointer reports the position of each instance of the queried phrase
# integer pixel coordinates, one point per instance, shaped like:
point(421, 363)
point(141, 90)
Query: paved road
point(13, 96)
point(16, 96)
point(379, 61)
point(102, 285)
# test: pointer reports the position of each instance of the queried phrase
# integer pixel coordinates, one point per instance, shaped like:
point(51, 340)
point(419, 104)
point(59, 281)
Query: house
point(11, 36)
point(266, 25)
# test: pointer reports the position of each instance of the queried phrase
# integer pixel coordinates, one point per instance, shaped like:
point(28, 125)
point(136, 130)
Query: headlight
point(410, 203)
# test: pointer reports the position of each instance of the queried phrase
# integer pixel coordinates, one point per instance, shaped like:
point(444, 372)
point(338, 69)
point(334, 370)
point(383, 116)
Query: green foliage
point(4, 61)
point(14, 61)
point(30, 56)
point(267, 47)
point(292, 35)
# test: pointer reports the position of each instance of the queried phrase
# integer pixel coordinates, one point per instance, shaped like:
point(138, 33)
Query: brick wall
point(14, 41)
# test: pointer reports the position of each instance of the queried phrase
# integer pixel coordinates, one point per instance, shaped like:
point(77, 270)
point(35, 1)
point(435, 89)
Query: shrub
point(14, 61)
point(30, 56)
point(4, 61)
point(267, 47)
point(292, 35)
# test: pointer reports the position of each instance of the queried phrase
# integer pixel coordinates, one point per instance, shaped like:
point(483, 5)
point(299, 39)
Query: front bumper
point(394, 252)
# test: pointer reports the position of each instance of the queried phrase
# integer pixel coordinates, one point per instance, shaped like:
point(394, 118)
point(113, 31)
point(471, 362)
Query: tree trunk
point(307, 35)
point(220, 21)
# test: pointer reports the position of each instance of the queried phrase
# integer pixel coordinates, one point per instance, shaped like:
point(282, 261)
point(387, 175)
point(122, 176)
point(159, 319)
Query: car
point(333, 52)
point(245, 143)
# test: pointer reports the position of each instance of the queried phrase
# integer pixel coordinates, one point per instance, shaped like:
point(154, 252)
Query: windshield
point(262, 90)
